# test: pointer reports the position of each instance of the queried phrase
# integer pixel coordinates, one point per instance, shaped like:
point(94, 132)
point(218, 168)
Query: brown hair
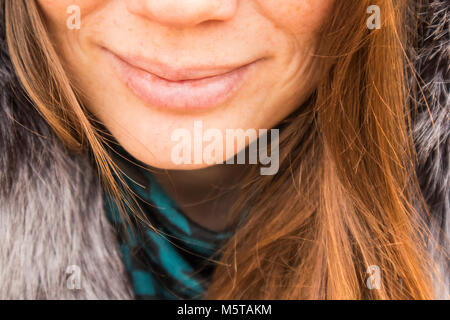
point(346, 192)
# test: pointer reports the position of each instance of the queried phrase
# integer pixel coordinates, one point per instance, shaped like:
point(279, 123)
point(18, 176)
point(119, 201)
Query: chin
point(164, 161)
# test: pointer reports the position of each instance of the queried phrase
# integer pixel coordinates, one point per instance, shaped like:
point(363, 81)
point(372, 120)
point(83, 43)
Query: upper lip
point(175, 74)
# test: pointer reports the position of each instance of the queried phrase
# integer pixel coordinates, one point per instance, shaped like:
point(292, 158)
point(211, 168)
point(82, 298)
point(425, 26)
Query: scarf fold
point(174, 261)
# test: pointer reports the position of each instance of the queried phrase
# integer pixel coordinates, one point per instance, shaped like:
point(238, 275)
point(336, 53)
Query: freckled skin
point(283, 34)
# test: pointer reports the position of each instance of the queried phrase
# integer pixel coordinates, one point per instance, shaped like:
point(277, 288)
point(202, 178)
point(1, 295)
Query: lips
point(190, 88)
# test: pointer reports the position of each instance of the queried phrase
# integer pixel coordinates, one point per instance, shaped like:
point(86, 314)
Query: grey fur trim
point(432, 140)
point(51, 212)
point(50, 219)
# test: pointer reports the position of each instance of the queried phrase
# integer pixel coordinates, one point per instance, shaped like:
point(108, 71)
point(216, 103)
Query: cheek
point(296, 16)
point(56, 10)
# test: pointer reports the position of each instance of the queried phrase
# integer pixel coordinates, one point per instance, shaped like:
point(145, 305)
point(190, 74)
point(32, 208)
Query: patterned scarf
point(175, 263)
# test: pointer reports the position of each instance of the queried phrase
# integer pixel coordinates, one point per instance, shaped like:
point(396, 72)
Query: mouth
point(189, 88)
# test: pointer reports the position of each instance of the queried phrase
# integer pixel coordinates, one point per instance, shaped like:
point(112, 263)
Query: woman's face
point(147, 68)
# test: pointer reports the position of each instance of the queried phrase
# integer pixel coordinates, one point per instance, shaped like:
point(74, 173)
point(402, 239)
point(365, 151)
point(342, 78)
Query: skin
point(281, 35)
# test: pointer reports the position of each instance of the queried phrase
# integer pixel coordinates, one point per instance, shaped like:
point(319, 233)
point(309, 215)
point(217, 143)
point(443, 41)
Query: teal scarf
point(176, 263)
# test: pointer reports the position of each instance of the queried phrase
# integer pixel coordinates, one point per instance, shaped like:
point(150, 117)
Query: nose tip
point(183, 13)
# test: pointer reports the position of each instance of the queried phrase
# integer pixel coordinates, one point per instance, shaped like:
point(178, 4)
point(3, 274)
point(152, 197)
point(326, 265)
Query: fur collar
point(51, 211)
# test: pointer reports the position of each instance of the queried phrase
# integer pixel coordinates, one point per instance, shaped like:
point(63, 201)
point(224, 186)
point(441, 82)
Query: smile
point(193, 88)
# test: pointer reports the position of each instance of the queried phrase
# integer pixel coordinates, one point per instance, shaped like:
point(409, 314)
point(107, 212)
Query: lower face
point(147, 69)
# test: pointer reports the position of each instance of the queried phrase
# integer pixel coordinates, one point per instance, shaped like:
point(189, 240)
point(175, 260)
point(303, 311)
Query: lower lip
point(198, 94)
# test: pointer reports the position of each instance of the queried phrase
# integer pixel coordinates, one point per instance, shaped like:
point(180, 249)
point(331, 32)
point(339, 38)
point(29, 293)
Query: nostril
point(183, 13)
